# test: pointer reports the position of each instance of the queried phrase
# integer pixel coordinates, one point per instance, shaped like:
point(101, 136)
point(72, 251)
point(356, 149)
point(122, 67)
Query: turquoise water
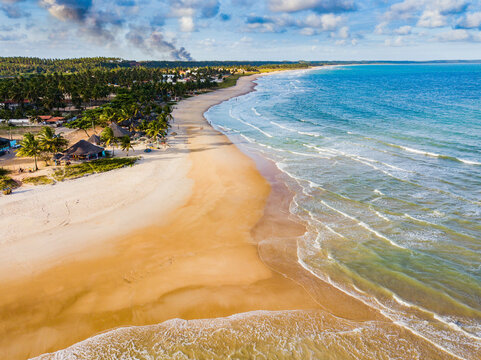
point(385, 162)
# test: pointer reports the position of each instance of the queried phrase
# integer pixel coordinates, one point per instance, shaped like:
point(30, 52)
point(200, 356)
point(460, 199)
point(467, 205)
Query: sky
point(265, 30)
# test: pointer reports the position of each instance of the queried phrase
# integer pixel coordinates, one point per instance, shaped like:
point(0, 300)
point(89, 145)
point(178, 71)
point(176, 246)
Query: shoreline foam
point(196, 261)
point(253, 286)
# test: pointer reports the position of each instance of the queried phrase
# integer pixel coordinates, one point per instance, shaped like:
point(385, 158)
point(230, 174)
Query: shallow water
point(256, 335)
point(385, 162)
point(385, 165)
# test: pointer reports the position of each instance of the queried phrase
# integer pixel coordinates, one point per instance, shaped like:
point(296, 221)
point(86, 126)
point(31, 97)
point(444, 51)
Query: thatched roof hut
point(119, 131)
point(85, 150)
point(94, 139)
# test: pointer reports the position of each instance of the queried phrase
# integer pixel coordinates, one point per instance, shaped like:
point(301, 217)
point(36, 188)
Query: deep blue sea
point(385, 163)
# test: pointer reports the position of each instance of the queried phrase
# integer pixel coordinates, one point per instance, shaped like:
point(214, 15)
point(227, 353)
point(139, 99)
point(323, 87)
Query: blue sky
point(242, 29)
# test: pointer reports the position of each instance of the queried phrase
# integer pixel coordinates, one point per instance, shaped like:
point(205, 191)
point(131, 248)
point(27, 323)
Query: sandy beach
point(170, 237)
point(197, 231)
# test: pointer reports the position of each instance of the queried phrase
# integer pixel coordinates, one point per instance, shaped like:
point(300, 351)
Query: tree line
point(48, 94)
point(14, 66)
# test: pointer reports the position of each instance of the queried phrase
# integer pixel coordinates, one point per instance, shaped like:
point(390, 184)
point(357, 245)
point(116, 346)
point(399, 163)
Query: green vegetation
point(109, 138)
point(44, 145)
point(51, 143)
point(14, 66)
point(229, 81)
point(38, 180)
point(6, 182)
point(277, 67)
point(93, 167)
point(125, 144)
point(30, 148)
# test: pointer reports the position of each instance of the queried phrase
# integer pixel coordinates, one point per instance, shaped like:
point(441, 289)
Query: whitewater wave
point(255, 111)
point(296, 131)
point(255, 127)
point(364, 225)
point(433, 154)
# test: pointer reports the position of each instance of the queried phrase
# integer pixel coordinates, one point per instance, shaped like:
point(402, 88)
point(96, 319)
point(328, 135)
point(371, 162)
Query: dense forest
point(30, 96)
point(15, 66)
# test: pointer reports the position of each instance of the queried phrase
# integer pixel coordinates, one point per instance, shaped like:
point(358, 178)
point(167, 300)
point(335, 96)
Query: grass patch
point(93, 167)
point(6, 182)
point(229, 81)
point(38, 180)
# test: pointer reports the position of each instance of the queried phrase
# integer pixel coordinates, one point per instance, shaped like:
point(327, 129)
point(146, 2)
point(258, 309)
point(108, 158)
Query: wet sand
point(228, 248)
point(199, 261)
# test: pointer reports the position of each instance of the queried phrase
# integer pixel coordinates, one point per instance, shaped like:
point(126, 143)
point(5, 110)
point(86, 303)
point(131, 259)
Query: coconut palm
point(35, 118)
point(154, 130)
point(168, 111)
point(50, 142)
point(125, 144)
point(108, 115)
point(109, 138)
point(90, 117)
point(30, 147)
point(163, 118)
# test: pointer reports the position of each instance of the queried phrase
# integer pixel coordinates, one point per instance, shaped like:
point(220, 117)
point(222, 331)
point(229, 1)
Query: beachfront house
point(52, 120)
point(83, 150)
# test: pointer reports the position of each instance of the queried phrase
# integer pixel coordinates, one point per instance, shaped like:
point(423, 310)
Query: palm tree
point(50, 142)
point(154, 130)
point(168, 111)
point(30, 148)
point(91, 117)
point(35, 118)
point(164, 123)
point(108, 115)
point(109, 138)
point(125, 144)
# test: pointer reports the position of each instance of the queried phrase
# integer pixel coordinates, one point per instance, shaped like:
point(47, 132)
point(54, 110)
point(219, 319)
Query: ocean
point(385, 164)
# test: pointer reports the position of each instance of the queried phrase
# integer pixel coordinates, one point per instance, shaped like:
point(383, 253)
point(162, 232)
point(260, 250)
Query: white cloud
point(313, 24)
point(66, 10)
point(471, 21)
point(320, 6)
point(403, 30)
point(459, 35)
point(246, 39)
point(188, 10)
point(403, 10)
point(343, 32)
point(449, 6)
point(207, 42)
point(397, 41)
point(326, 22)
point(186, 24)
point(432, 19)
point(431, 11)
point(381, 28)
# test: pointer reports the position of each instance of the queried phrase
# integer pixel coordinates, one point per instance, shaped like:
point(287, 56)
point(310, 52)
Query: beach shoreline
point(201, 250)
point(224, 249)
